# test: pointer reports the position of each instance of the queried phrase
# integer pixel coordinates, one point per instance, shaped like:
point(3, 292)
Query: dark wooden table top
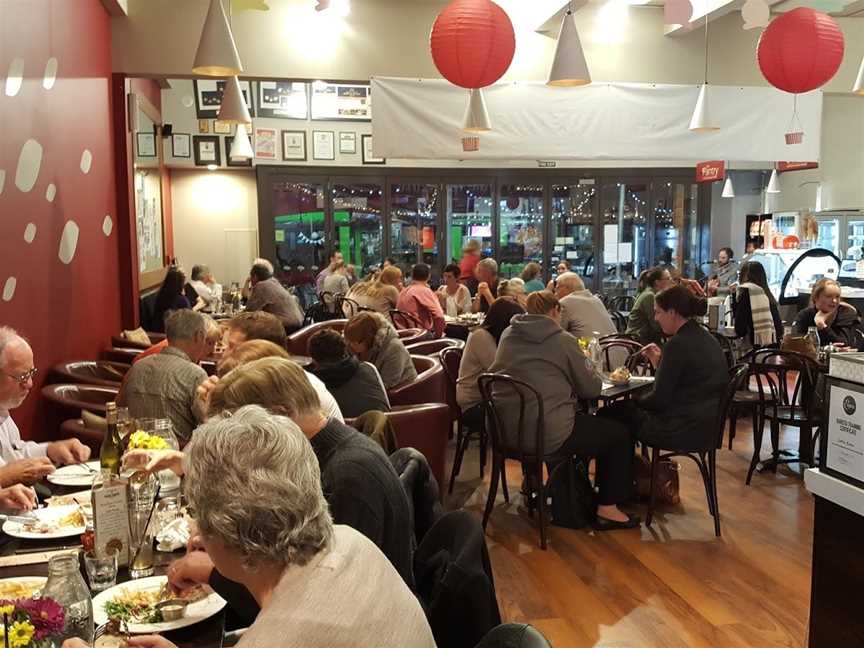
point(636, 384)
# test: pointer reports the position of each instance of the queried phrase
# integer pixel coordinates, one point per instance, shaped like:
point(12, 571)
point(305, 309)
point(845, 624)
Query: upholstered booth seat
point(431, 347)
point(76, 429)
point(121, 342)
point(298, 343)
point(90, 372)
point(71, 399)
point(412, 335)
point(121, 354)
point(430, 385)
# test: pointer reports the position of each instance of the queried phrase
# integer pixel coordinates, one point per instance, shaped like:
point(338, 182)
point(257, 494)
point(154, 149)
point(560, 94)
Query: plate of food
point(21, 587)
point(75, 475)
point(81, 498)
point(620, 376)
point(149, 605)
point(49, 523)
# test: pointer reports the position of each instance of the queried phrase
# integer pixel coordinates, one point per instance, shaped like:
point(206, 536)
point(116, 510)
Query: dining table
point(634, 386)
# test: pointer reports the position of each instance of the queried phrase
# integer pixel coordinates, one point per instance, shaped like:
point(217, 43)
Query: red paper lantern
point(472, 43)
point(800, 50)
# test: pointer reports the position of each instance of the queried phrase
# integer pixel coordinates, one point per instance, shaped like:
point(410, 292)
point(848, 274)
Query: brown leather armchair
point(76, 429)
point(412, 336)
point(71, 399)
point(90, 372)
point(428, 387)
point(298, 343)
point(432, 347)
point(424, 427)
point(120, 342)
point(121, 354)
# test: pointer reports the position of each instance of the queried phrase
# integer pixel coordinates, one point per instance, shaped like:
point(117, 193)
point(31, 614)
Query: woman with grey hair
point(254, 484)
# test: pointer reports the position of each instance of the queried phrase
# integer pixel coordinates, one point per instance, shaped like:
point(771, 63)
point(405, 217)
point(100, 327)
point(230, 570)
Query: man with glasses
point(25, 461)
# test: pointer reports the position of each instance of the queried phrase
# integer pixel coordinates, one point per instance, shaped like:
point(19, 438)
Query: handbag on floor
point(574, 503)
point(666, 488)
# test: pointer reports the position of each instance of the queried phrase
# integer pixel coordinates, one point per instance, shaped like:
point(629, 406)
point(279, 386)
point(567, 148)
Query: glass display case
point(792, 272)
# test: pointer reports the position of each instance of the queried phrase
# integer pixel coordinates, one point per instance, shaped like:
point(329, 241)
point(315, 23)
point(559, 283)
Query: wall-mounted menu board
point(339, 101)
point(283, 99)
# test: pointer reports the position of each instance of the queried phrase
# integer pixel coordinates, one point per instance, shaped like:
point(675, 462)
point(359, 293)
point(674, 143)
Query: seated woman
point(680, 412)
point(374, 339)
point(335, 283)
point(454, 297)
point(379, 294)
point(478, 356)
point(536, 350)
point(532, 275)
point(170, 297)
point(254, 483)
point(514, 290)
point(641, 321)
point(836, 321)
point(355, 385)
point(757, 316)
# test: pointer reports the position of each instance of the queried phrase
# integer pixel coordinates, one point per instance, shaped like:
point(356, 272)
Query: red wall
point(68, 311)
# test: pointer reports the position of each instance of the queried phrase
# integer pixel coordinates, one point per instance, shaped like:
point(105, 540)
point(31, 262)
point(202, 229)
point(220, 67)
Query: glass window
point(357, 210)
point(676, 232)
point(573, 228)
point(469, 216)
point(625, 208)
point(521, 235)
point(413, 209)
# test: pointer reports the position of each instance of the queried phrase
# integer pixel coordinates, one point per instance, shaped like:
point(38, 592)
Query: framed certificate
point(368, 158)
point(293, 145)
point(207, 150)
point(265, 143)
point(348, 143)
point(181, 145)
point(841, 453)
point(323, 145)
point(146, 144)
point(229, 140)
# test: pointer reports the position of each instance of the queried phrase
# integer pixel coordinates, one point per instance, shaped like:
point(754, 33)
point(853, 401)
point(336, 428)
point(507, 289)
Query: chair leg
point(461, 447)
point(712, 473)
point(775, 444)
point(706, 481)
point(758, 430)
point(484, 438)
point(655, 469)
point(504, 481)
point(733, 421)
point(493, 488)
point(541, 504)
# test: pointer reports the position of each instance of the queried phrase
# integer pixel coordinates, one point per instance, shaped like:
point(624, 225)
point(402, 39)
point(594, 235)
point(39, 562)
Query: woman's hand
point(653, 353)
point(204, 390)
point(822, 320)
point(151, 461)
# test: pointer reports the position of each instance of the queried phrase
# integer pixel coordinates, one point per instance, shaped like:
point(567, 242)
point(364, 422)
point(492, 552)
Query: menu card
point(111, 520)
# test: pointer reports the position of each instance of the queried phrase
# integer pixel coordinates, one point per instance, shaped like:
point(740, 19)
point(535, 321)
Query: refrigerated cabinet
point(791, 273)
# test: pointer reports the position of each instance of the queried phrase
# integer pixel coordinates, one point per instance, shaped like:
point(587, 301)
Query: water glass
point(101, 570)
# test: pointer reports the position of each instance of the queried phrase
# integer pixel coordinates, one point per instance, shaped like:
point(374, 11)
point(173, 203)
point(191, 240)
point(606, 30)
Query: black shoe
point(605, 524)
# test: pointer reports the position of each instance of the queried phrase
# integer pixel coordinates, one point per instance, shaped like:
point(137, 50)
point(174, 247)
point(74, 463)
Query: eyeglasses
point(24, 377)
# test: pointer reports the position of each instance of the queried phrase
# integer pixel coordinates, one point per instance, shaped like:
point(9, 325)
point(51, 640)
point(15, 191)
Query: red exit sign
point(712, 171)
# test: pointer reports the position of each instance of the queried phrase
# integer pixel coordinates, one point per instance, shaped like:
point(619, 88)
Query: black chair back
point(728, 347)
point(495, 385)
point(774, 365)
point(451, 358)
point(739, 375)
point(514, 635)
point(623, 302)
point(348, 307)
point(619, 320)
point(625, 349)
point(403, 320)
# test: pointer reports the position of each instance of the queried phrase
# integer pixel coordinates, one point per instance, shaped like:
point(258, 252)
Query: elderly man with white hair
point(253, 482)
point(582, 314)
point(486, 274)
point(25, 461)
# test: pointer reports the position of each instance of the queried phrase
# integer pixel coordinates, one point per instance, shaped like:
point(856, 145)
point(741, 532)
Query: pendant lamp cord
point(706, 44)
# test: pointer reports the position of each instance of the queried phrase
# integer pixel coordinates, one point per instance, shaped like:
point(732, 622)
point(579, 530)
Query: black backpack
point(574, 503)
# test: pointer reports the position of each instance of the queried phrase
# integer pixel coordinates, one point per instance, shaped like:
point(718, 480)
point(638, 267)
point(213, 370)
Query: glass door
point(624, 214)
point(573, 228)
point(413, 224)
point(520, 237)
point(828, 229)
point(676, 231)
point(469, 217)
point(357, 217)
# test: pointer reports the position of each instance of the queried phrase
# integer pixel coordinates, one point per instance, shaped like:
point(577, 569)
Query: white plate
point(23, 580)
point(48, 514)
point(74, 475)
point(195, 612)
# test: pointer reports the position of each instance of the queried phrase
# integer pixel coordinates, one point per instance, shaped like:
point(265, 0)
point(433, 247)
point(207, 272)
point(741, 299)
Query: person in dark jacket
point(836, 321)
point(679, 413)
point(169, 298)
point(355, 385)
point(374, 339)
point(536, 350)
point(756, 326)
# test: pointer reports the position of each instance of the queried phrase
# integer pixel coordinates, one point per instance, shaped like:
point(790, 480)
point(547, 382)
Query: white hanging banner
point(422, 119)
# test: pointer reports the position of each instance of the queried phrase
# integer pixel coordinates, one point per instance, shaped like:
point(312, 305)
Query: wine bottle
point(109, 453)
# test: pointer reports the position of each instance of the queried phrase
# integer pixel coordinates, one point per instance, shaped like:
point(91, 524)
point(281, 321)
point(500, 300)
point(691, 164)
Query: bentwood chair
point(614, 352)
point(451, 358)
point(412, 335)
point(404, 320)
point(493, 386)
point(432, 347)
point(705, 458)
point(623, 303)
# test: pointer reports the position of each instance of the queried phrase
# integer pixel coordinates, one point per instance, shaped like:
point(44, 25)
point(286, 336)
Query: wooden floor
point(673, 585)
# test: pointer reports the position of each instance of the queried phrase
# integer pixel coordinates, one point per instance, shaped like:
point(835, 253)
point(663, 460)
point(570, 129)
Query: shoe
point(605, 524)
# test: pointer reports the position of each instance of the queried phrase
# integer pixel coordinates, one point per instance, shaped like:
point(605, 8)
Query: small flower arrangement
point(140, 440)
point(25, 621)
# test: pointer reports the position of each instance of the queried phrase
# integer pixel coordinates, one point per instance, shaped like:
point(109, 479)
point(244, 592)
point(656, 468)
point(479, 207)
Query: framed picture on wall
point(323, 145)
point(294, 145)
point(181, 145)
point(208, 97)
point(221, 127)
point(207, 150)
point(234, 163)
point(348, 143)
point(368, 158)
point(283, 99)
point(341, 102)
point(146, 143)
point(265, 143)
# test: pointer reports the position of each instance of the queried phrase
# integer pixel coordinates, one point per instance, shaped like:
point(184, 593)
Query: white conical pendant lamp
point(241, 147)
point(217, 54)
point(773, 183)
point(728, 189)
point(701, 122)
point(476, 116)
point(569, 67)
point(233, 108)
point(858, 88)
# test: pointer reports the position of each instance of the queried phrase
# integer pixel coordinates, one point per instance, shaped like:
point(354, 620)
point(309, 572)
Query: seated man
point(164, 385)
point(355, 385)
point(418, 299)
point(582, 314)
point(486, 273)
point(25, 461)
point(205, 287)
point(270, 296)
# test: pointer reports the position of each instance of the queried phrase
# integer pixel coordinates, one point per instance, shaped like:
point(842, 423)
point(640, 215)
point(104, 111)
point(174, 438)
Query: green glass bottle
point(111, 451)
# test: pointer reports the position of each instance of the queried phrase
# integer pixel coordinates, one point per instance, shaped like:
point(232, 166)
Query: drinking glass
point(168, 479)
point(101, 570)
point(142, 493)
point(66, 586)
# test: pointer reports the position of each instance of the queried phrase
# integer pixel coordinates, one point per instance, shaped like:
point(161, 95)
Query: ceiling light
point(241, 148)
point(217, 54)
point(728, 189)
point(476, 118)
point(233, 108)
point(773, 183)
point(212, 167)
point(858, 88)
point(340, 8)
point(569, 67)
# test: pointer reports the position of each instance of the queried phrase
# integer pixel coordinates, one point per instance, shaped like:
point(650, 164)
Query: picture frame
point(229, 139)
point(341, 102)
point(348, 143)
point(294, 145)
point(221, 127)
point(145, 143)
point(181, 145)
point(203, 125)
point(207, 150)
point(323, 145)
point(208, 97)
point(266, 144)
point(282, 99)
point(368, 158)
